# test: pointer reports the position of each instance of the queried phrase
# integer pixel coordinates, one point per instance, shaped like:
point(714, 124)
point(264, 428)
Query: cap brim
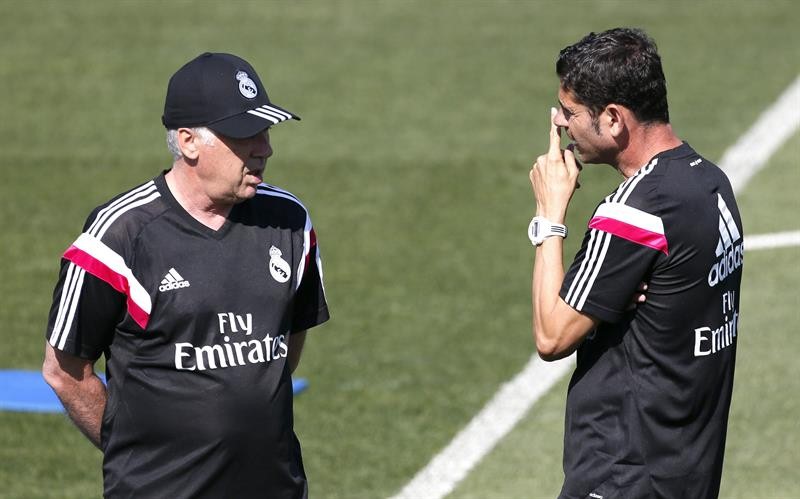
point(252, 122)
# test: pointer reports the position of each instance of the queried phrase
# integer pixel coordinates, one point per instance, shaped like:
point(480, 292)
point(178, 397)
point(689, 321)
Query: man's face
point(592, 143)
point(232, 168)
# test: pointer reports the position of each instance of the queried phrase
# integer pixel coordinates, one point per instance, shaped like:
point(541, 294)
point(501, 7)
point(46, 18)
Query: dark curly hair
point(618, 66)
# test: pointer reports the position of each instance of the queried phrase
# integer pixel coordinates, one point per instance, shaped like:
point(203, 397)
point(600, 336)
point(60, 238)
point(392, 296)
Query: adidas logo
point(173, 280)
point(728, 232)
point(730, 249)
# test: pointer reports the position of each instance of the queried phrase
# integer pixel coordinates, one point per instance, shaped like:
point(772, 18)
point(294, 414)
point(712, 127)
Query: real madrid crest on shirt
point(278, 267)
point(247, 87)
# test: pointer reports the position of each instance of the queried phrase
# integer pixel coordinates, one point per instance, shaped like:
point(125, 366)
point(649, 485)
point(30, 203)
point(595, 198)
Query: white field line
point(775, 125)
point(774, 240)
point(515, 398)
point(495, 420)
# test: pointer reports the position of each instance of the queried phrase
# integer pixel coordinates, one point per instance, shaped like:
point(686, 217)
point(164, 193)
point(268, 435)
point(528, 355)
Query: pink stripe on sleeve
point(630, 232)
point(116, 280)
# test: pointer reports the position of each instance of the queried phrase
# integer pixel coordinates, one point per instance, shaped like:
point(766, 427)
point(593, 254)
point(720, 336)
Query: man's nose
point(560, 119)
point(261, 146)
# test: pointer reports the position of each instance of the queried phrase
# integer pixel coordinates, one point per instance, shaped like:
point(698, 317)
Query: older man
point(198, 287)
point(647, 407)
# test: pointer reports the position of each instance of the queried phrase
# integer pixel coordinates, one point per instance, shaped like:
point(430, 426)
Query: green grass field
point(420, 121)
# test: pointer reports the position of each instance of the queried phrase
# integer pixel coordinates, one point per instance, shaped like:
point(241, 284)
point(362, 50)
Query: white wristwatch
point(541, 228)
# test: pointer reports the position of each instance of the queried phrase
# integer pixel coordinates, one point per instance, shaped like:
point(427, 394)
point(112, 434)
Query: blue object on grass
point(298, 385)
point(26, 391)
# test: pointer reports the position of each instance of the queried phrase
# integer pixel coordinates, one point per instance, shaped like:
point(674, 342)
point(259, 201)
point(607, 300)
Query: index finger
point(555, 135)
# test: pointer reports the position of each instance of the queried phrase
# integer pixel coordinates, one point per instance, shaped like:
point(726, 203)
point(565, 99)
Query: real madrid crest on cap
point(278, 267)
point(247, 87)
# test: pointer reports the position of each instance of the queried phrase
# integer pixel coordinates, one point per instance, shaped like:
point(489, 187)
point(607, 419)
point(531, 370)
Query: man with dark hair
point(198, 287)
point(647, 406)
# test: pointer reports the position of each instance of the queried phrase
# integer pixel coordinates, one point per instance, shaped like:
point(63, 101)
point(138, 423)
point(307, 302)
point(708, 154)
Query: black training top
point(195, 326)
point(647, 406)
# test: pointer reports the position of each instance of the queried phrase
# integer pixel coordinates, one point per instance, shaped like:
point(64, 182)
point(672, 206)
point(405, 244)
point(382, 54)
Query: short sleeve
point(310, 306)
point(618, 252)
point(84, 313)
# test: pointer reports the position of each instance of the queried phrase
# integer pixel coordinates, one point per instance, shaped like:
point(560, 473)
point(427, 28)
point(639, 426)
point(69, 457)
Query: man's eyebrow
point(564, 106)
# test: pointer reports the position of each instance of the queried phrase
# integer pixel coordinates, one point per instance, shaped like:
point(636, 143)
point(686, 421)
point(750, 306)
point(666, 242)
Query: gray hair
point(205, 134)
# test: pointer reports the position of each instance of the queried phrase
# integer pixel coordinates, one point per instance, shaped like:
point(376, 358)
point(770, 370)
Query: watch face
point(534, 231)
point(536, 228)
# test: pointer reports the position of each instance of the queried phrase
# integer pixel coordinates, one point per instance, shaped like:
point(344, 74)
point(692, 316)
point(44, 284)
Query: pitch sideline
point(770, 241)
point(515, 398)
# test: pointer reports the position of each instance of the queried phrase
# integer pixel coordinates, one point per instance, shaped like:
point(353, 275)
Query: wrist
point(556, 216)
point(553, 219)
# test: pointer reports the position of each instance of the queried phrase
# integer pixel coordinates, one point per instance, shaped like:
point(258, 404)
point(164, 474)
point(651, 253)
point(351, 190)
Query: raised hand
point(554, 177)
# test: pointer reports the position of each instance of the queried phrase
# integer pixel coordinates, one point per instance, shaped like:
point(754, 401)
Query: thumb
point(573, 167)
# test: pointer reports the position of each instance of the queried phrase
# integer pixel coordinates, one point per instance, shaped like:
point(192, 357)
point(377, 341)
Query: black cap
point(221, 92)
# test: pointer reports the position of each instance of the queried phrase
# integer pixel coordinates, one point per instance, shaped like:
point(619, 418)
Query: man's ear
point(188, 141)
point(613, 118)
